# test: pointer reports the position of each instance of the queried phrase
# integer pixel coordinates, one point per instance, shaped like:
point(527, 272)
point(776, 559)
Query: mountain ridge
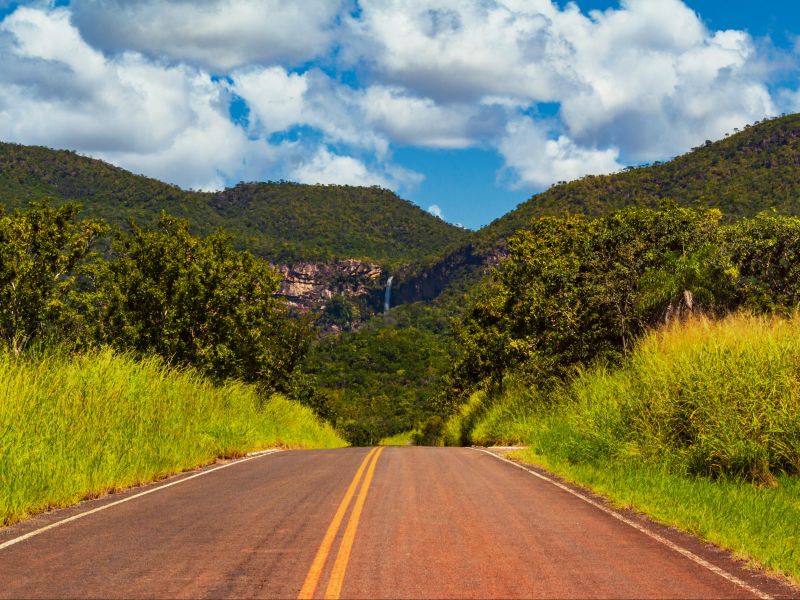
point(753, 170)
point(282, 221)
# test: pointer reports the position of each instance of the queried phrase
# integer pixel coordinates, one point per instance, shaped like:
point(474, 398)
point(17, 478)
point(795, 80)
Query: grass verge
point(73, 427)
point(699, 427)
point(760, 525)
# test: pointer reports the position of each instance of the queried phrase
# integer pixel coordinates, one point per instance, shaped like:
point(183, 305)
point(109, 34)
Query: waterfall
point(387, 299)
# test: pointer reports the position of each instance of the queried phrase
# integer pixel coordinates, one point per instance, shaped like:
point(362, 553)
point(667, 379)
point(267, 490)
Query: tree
point(41, 251)
point(198, 301)
point(573, 291)
point(700, 280)
point(766, 252)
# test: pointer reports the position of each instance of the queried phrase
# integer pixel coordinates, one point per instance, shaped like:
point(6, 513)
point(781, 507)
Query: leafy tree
point(41, 250)
point(198, 301)
point(688, 282)
point(575, 290)
point(766, 252)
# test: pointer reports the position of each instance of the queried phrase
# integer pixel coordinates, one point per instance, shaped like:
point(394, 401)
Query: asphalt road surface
point(363, 523)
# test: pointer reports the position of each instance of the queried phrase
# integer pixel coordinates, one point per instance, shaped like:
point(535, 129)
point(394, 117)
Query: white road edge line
point(36, 532)
point(673, 546)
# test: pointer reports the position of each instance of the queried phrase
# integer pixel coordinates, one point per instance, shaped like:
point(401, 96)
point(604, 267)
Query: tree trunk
point(688, 300)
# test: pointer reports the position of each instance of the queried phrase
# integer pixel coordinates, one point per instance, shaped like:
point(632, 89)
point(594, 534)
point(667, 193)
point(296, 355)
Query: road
point(362, 523)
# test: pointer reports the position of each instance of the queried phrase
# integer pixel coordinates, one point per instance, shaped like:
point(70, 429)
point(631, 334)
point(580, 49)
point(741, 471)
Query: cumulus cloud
point(647, 78)
point(538, 161)
point(280, 100)
point(418, 121)
point(370, 118)
point(216, 34)
point(655, 81)
point(274, 96)
point(458, 49)
point(131, 81)
point(169, 122)
point(327, 167)
point(172, 121)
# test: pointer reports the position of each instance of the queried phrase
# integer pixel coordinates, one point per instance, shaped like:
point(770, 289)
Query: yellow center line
point(342, 558)
point(315, 571)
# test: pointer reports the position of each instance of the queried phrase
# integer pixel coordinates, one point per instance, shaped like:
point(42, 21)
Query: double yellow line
point(336, 580)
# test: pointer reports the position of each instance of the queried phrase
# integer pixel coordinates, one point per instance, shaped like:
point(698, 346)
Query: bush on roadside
point(431, 433)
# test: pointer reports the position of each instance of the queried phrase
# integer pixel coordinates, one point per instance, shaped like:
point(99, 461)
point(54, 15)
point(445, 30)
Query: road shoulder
point(748, 571)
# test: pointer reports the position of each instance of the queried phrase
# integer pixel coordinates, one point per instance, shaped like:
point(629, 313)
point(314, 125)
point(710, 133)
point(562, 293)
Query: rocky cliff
point(309, 285)
point(462, 266)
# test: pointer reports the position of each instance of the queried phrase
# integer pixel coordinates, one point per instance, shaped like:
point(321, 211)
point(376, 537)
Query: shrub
point(431, 434)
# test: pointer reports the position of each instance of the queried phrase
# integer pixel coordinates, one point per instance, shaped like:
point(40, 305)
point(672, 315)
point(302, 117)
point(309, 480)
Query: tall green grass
point(78, 426)
point(459, 428)
point(699, 427)
point(716, 398)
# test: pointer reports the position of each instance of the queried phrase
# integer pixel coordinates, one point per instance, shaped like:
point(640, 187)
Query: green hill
point(284, 222)
point(742, 175)
point(325, 222)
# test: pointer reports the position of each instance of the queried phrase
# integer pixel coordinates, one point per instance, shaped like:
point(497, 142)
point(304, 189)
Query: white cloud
point(435, 210)
point(215, 34)
point(169, 122)
point(538, 161)
point(281, 100)
point(457, 49)
point(647, 78)
point(172, 121)
point(276, 97)
point(408, 119)
point(131, 81)
point(371, 118)
point(327, 167)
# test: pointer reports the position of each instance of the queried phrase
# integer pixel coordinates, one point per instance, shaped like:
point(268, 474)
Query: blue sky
point(466, 107)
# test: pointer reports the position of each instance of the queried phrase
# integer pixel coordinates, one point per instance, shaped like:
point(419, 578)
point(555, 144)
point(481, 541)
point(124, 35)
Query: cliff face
point(464, 264)
point(309, 285)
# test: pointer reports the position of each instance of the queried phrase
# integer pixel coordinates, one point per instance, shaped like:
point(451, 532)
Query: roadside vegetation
point(77, 426)
point(129, 356)
point(652, 355)
point(404, 438)
point(699, 427)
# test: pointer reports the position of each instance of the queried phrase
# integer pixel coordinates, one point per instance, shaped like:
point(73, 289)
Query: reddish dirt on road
point(361, 523)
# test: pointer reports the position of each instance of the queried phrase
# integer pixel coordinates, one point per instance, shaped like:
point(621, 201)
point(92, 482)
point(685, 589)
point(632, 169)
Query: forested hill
point(324, 222)
point(742, 175)
point(284, 222)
